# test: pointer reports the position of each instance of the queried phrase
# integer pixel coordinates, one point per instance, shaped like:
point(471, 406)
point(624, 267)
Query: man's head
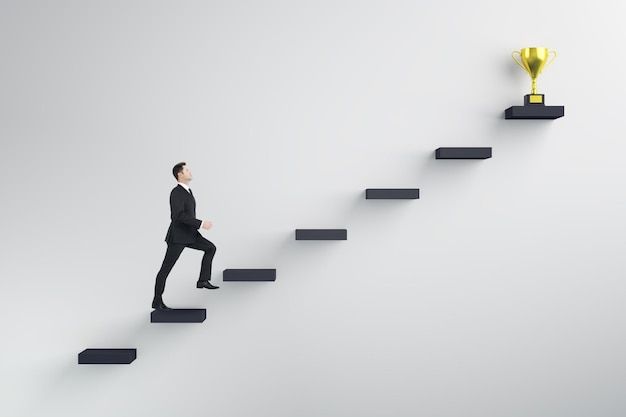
point(181, 172)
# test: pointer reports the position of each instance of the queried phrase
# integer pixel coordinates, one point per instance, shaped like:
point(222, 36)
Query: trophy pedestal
point(534, 108)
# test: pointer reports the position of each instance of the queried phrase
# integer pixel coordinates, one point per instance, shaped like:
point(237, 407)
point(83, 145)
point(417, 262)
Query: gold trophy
point(534, 61)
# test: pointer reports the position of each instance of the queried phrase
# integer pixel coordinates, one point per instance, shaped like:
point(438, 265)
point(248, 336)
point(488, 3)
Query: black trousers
point(173, 253)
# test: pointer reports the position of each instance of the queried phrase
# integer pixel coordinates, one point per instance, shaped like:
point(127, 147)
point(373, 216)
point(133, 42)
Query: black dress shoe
point(206, 284)
point(159, 305)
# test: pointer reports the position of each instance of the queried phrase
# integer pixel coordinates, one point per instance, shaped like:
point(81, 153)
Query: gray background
point(499, 293)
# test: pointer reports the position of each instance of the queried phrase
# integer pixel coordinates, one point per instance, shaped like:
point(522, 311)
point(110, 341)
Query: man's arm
point(177, 206)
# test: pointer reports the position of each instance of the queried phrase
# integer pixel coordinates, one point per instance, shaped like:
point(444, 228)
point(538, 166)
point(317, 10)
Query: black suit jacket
point(184, 226)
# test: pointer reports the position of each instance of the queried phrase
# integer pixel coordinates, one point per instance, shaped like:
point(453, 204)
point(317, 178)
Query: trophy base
point(534, 108)
point(534, 100)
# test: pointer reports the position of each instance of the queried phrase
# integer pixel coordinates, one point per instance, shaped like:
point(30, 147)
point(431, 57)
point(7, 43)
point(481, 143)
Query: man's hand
point(206, 224)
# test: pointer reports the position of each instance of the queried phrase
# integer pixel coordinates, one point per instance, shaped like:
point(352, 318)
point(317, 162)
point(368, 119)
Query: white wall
point(500, 293)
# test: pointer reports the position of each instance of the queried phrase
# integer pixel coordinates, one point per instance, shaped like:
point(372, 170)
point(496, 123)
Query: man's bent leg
point(209, 249)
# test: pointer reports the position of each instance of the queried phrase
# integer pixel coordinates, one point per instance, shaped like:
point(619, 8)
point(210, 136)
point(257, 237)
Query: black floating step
point(463, 153)
point(321, 234)
point(392, 193)
point(534, 112)
point(249, 275)
point(178, 315)
point(107, 356)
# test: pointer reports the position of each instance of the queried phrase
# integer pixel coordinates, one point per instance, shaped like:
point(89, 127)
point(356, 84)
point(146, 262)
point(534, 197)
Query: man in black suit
point(182, 233)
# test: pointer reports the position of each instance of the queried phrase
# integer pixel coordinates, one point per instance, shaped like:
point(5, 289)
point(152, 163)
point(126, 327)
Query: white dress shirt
point(186, 187)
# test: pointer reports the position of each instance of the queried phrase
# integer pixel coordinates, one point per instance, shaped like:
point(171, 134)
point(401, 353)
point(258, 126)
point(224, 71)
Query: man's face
point(185, 174)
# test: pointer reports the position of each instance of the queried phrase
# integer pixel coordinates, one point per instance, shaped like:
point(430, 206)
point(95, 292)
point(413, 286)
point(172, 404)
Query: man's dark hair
point(177, 169)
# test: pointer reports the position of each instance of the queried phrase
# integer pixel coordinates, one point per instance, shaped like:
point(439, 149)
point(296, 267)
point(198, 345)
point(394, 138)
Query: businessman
point(183, 233)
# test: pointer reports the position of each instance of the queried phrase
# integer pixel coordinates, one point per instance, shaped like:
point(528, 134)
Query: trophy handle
point(553, 52)
point(518, 62)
